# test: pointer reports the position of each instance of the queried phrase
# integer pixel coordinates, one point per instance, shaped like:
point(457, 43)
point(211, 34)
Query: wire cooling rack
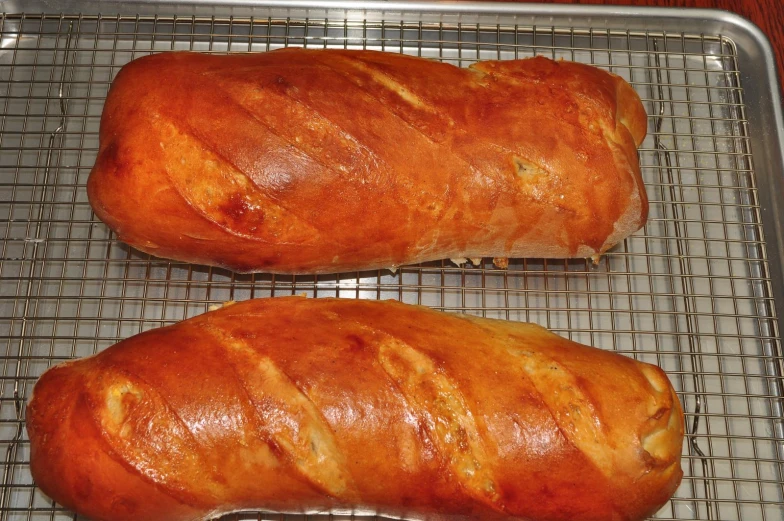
point(690, 292)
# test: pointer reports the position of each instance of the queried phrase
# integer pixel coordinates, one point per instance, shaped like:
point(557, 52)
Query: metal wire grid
point(690, 292)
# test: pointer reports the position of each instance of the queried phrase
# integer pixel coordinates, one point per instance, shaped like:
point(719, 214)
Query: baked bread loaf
point(314, 161)
point(313, 405)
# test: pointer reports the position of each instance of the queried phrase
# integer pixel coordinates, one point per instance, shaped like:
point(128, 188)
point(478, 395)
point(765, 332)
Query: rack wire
point(690, 292)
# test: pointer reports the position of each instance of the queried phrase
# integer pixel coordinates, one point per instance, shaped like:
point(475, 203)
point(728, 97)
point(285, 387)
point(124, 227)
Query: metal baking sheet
point(696, 291)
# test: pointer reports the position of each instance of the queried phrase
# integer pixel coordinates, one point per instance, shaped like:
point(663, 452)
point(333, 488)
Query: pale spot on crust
point(120, 399)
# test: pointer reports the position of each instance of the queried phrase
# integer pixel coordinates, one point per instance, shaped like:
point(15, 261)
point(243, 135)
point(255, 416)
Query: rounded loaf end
point(70, 462)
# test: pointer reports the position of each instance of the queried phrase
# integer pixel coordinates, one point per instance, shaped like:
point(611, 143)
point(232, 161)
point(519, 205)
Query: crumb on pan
point(501, 262)
point(214, 307)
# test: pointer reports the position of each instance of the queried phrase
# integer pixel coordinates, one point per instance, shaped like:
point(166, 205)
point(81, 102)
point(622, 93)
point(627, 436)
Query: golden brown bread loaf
point(295, 404)
point(313, 161)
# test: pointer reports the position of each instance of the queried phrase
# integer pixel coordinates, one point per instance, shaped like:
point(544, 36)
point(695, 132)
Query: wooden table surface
point(767, 14)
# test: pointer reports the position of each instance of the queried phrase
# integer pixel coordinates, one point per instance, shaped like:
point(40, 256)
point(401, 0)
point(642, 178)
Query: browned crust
point(303, 161)
point(396, 402)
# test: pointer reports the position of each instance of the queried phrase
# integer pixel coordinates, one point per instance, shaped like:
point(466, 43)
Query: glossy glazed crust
point(297, 404)
point(314, 161)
